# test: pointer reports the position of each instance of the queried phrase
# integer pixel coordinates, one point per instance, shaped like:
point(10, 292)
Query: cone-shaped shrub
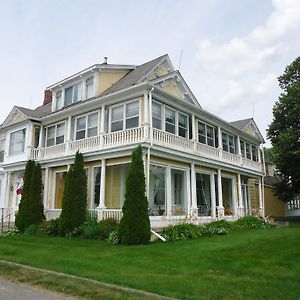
point(134, 227)
point(74, 200)
point(31, 209)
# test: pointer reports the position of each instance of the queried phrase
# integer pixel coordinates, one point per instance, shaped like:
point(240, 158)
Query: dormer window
point(90, 87)
point(73, 93)
point(59, 103)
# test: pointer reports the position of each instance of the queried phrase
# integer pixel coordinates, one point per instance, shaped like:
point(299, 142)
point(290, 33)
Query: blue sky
point(233, 50)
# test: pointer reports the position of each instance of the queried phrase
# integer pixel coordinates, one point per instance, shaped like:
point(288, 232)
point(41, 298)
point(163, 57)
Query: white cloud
point(244, 70)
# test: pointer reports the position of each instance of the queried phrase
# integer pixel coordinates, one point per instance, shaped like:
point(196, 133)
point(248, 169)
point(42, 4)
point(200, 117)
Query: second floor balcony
point(157, 138)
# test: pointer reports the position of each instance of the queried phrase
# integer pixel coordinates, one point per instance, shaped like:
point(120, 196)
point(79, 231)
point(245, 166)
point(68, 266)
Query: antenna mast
point(180, 59)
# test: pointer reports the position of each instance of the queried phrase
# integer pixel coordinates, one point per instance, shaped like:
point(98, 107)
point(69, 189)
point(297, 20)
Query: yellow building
point(198, 167)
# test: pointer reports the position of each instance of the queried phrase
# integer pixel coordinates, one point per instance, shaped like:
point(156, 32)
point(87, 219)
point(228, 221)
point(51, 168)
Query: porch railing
point(7, 216)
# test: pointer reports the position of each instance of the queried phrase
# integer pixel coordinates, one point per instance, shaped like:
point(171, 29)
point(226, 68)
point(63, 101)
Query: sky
point(232, 50)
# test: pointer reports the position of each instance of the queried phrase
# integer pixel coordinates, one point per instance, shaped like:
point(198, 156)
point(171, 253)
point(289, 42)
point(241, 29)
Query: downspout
point(150, 117)
point(262, 181)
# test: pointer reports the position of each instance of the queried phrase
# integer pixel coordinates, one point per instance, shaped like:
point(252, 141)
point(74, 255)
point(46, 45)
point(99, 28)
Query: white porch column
point(234, 197)
point(213, 195)
point(220, 196)
point(3, 202)
point(102, 125)
point(240, 196)
point(194, 208)
point(150, 117)
point(46, 188)
point(220, 143)
point(68, 137)
point(194, 133)
point(260, 197)
point(40, 145)
point(169, 191)
point(146, 117)
point(102, 185)
point(188, 191)
point(238, 146)
point(148, 175)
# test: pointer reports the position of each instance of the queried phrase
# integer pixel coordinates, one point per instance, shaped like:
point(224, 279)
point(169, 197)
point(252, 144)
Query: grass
point(252, 264)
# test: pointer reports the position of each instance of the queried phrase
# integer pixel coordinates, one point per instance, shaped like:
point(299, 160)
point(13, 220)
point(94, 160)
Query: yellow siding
point(273, 205)
point(113, 187)
point(159, 72)
point(52, 184)
point(108, 78)
point(170, 89)
point(207, 169)
point(118, 160)
point(168, 161)
point(249, 130)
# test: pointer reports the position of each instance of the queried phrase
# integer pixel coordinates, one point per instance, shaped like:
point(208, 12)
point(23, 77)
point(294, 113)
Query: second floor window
point(55, 134)
point(2, 149)
point(125, 116)
point(17, 142)
point(73, 93)
point(156, 115)
point(86, 126)
point(182, 125)
point(249, 151)
point(170, 120)
point(228, 142)
point(89, 87)
point(206, 134)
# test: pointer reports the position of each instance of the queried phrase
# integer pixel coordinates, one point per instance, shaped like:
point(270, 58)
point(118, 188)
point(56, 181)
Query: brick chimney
point(47, 97)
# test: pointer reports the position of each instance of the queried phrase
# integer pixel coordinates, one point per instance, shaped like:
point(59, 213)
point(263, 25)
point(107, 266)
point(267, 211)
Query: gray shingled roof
point(270, 180)
point(240, 124)
point(39, 112)
point(133, 76)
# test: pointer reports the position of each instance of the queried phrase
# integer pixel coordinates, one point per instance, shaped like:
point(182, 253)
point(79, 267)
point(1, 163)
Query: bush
point(114, 237)
point(106, 227)
point(90, 229)
point(134, 227)
point(221, 227)
point(182, 232)
point(251, 222)
point(48, 228)
point(31, 230)
point(12, 232)
point(74, 200)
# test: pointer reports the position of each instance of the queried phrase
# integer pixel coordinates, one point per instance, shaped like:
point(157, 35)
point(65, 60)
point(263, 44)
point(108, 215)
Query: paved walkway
point(18, 291)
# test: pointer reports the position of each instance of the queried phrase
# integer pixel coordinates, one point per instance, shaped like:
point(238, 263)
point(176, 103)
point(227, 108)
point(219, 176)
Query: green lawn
point(252, 264)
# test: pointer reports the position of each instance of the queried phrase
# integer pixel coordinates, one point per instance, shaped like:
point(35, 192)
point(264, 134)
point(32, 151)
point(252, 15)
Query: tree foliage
point(284, 132)
point(134, 227)
point(74, 200)
point(31, 208)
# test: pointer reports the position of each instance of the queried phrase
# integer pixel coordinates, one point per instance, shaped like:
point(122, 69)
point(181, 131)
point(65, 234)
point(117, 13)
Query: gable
point(15, 116)
point(174, 84)
point(252, 129)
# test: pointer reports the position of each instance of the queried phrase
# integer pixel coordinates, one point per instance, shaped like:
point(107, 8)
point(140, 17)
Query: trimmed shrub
point(90, 229)
point(31, 230)
point(48, 228)
point(106, 227)
point(31, 209)
point(134, 227)
point(74, 200)
point(11, 232)
point(251, 222)
point(182, 232)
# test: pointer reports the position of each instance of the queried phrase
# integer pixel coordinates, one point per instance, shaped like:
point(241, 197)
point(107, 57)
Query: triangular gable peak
point(251, 128)
point(15, 116)
point(174, 84)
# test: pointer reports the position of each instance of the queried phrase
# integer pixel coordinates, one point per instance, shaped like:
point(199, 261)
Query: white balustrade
point(209, 151)
point(112, 213)
point(250, 164)
point(85, 145)
point(169, 139)
point(231, 158)
point(52, 213)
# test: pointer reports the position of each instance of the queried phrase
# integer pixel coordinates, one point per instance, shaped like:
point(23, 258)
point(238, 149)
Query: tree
point(74, 200)
point(31, 209)
point(284, 132)
point(134, 227)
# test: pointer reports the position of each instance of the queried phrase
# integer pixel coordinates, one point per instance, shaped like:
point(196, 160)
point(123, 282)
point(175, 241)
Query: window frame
point(10, 142)
point(87, 85)
point(55, 133)
point(77, 83)
point(228, 142)
point(206, 136)
point(86, 116)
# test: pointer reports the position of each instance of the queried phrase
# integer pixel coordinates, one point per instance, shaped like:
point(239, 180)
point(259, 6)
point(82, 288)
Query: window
point(125, 116)
point(86, 126)
point(156, 115)
point(243, 148)
point(248, 152)
point(228, 142)
point(182, 125)
point(59, 103)
point(73, 93)
point(254, 153)
point(170, 120)
point(55, 134)
point(97, 185)
point(206, 134)
point(178, 189)
point(17, 142)
point(2, 149)
point(89, 87)
point(203, 194)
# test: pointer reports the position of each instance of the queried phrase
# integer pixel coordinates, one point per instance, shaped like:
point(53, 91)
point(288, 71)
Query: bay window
point(17, 142)
point(86, 126)
point(206, 134)
point(125, 116)
point(55, 134)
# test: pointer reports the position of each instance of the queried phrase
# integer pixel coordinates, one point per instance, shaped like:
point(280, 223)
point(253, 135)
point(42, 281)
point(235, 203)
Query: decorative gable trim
point(252, 124)
point(15, 116)
point(176, 79)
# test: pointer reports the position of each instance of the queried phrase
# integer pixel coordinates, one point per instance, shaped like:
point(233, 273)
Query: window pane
point(156, 123)
point(133, 122)
point(231, 144)
point(77, 92)
point(51, 132)
point(248, 153)
point(182, 120)
point(225, 141)
point(92, 132)
point(60, 129)
point(80, 135)
point(81, 123)
point(243, 148)
point(156, 111)
point(182, 132)
point(90, 87)
point(68, 96)
point(170, 128)
point(201, 128)
point(50, 142)
point(116, 126)
point(93, 120)
point(254, 153)
point(210, 131)
point(132, 109)
point(210, 142)
point(170, 115)
point(17, 142)
point(203, 194)
point(59, 140)
point(59, 103)
point(97, 185)
point(178, 192)
point(117, 113)
point(202, 139)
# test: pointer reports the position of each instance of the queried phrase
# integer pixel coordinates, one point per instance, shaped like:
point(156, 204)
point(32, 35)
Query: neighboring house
point(197, 166)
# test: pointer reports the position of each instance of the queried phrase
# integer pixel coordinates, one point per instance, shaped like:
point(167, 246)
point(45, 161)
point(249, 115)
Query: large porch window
point(178, 187)
point(157, 191)
point(97, 186)
point(203, 194)
point(60, 179)
point(227, 192)
point(228, 142)
point(245, 195)
point(206, 134)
